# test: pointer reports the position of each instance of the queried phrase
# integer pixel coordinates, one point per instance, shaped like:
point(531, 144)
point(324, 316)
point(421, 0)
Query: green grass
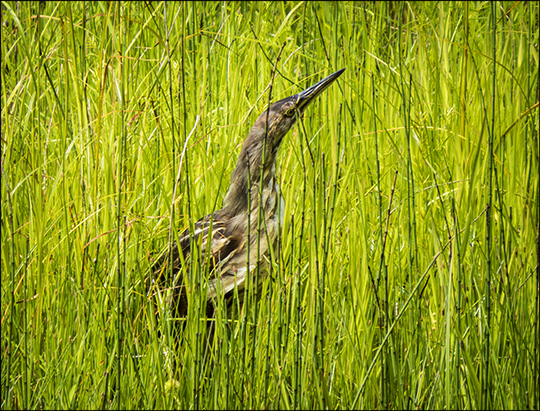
point(407, 272)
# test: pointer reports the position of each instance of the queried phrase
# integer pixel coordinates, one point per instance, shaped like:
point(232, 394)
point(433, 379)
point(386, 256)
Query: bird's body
point(243, 231)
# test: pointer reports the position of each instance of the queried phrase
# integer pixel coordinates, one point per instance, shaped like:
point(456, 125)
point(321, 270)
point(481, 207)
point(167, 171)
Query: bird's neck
point(248, 189)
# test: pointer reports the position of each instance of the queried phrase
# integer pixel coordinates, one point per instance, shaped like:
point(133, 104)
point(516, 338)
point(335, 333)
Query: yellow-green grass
point(407, 270)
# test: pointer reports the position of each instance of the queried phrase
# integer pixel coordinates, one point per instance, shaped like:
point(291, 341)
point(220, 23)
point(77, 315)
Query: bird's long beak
point(308, 95)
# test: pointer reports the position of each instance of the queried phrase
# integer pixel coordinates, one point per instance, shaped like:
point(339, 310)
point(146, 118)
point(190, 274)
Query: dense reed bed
point(406, 274)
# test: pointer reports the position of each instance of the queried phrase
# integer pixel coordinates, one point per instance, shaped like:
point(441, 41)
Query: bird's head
point(274, 123)
point(262, 143)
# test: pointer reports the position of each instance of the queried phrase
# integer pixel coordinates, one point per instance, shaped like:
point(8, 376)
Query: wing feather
point(222, 249)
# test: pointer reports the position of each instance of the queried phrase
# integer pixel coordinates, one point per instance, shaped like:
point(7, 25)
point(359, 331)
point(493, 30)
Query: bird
point(234, 243)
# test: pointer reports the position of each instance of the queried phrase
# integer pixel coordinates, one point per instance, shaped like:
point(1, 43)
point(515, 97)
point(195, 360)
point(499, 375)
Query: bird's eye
point(290, 112)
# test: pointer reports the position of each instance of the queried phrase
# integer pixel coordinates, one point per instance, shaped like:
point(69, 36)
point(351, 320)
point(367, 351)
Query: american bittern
point(227, 255)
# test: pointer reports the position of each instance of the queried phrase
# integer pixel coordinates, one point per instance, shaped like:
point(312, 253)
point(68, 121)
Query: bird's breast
point(269, 205)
